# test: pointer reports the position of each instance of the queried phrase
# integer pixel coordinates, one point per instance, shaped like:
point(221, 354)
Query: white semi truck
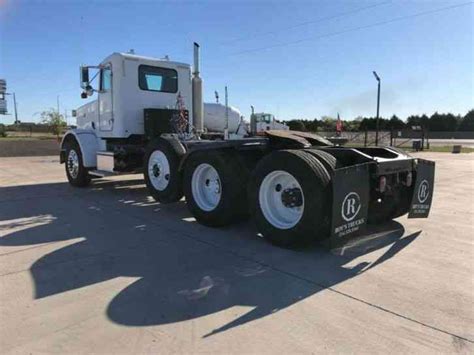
point(148, 117)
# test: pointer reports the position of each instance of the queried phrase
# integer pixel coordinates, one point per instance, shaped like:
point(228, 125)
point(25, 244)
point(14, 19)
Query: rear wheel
point(215, 188)
point(290, 197)
point(162, 176)
point(76, 173)
point(329, 161)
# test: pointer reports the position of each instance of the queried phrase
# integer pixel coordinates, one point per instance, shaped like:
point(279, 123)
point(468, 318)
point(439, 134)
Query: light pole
point(378, 107)
point(16, 111)
point(14, 106)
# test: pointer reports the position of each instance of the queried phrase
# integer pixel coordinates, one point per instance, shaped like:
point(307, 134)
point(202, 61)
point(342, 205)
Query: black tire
point(233, 178)
point(329, 161)
point(314, 180)
point(79, 176)
point(173, 191)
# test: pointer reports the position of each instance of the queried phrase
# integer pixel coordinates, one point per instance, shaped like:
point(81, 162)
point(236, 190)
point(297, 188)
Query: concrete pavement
point(107, 270)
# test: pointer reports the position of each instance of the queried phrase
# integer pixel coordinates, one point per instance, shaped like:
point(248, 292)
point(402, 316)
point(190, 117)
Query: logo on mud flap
point(423, 191)
point(350, 206)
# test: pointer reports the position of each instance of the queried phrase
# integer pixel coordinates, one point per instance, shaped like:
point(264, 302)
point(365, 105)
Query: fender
point(176, 144)
point(88, 143)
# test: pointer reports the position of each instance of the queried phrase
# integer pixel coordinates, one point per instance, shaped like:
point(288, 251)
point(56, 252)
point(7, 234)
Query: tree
point(3, 130)
point(312, 126)
point(467, 123)
point(296, 125)
point(443, 122)
point(416, 120)
point(54, 120)
point(351, 126)
point(328, 124)
point(396, 123)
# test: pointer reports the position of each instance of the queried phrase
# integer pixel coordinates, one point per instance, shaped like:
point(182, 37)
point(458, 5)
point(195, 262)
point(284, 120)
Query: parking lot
point(106, 269)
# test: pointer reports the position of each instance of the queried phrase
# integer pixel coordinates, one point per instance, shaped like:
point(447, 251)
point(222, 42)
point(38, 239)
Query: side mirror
point(88, 91)
point(84, 73)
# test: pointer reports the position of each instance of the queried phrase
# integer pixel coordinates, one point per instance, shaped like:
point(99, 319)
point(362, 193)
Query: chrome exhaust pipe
point(198, 108)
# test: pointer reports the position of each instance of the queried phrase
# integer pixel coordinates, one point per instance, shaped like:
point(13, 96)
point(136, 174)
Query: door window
point(105, 79)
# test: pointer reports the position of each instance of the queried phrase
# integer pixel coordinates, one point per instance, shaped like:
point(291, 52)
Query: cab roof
point(136, 57)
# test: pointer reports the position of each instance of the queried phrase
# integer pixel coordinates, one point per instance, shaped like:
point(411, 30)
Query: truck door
point(106, 113)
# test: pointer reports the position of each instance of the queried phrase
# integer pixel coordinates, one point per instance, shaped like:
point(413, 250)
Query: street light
point(378, 107)
point(14, 105)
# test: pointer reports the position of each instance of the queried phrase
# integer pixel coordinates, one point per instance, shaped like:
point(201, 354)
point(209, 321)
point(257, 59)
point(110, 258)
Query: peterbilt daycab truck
point(148, 117)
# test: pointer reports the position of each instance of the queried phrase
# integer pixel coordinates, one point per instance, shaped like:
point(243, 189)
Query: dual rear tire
point(214, 185)
point(288, 193)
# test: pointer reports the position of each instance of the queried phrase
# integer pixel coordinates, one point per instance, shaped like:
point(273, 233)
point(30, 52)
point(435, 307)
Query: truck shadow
point(183, 271)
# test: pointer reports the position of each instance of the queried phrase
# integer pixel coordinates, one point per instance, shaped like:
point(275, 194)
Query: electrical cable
point(358, 28)
point(319, 20)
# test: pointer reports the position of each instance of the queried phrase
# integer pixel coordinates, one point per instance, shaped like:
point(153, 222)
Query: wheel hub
point(159, 170)
point(156, 170)
point(281, 199)
point(73, 163)
point(292, 197)
point(206, 187)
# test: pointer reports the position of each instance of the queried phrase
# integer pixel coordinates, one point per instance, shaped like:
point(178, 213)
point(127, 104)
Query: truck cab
point(267, 121)
point(125, 85)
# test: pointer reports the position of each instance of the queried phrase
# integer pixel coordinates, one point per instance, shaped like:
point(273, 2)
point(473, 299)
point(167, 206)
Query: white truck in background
point(266, 122)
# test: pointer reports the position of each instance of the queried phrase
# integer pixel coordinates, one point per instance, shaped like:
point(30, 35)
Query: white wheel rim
point(73, 163)
point(206, 187)
point(276, 212)
point(159, 170)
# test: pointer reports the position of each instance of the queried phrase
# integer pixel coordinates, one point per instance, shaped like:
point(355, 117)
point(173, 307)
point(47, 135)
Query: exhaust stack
point(198, 109)
point(253, 122)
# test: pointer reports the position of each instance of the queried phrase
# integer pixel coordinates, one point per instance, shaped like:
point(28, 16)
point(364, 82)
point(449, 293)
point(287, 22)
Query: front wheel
point(76, 173)
point(290, 197)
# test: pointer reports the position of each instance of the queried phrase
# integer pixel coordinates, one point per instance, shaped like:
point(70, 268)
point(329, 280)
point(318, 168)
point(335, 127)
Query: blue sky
point(280, 56)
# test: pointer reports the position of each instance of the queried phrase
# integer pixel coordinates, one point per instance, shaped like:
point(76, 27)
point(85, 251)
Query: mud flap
point(423, 191)
point(350, 201)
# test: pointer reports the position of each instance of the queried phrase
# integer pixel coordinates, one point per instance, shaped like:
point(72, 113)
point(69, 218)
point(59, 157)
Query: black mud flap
point(350, 201)
point(423, 191)
point(62, 156)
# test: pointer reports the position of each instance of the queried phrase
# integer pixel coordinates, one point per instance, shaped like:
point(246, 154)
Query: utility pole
point(378, 108)
point(14, 106)
point(226, 130)
point(57, 99)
